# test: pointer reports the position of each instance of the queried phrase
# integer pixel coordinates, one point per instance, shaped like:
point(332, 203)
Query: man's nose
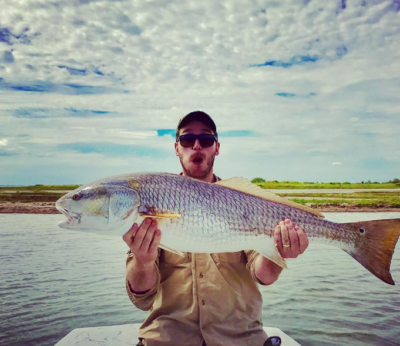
point(196, 145)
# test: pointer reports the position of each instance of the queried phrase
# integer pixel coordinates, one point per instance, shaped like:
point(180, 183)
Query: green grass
point(28, 197)
point(40, 188)
point(335, 185)
point(373, 203)
point(355, 195)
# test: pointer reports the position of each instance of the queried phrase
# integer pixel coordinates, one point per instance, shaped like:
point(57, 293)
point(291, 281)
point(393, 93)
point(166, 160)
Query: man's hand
point(143, 241)
point(290, 239)
point(296, 241)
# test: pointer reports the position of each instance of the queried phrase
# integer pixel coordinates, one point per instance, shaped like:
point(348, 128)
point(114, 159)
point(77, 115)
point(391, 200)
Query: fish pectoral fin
point(161, 216)
point(176, 252)
point(273, 255)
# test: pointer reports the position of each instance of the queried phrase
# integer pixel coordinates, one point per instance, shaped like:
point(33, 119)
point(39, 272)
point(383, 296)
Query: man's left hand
point(290, 239)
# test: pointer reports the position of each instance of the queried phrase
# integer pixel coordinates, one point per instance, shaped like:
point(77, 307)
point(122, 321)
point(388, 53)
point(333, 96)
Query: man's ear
point(176, 149)
point(217, 149)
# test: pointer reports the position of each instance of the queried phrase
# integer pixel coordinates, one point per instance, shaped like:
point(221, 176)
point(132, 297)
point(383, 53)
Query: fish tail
point(375, 246)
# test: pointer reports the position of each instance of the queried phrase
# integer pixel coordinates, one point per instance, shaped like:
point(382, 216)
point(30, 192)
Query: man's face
point(197, 162)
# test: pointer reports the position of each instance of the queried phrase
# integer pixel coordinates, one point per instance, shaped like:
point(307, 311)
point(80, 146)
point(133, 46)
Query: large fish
point(228, 216)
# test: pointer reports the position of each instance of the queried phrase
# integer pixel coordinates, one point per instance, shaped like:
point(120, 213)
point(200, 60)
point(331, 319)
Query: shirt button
point(204, 328)
point(201, 275)
point(203, 302)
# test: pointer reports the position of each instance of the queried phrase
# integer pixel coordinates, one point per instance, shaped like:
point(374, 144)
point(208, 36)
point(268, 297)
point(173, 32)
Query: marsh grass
point(334, 185)
point(29, 197)
point(373, 203)
point(355, 195)
point(39, 187)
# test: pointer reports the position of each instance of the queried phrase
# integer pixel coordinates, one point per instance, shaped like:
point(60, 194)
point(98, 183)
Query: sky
point(299, 90)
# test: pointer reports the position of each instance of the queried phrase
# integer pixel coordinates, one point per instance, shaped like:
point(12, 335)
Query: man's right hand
point(143, 241)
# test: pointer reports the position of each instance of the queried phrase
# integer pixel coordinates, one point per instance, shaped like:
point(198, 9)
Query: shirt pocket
point(231, 257)
point(173, 259)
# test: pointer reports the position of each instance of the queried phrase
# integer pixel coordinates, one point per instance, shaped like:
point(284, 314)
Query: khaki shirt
point(202, 297)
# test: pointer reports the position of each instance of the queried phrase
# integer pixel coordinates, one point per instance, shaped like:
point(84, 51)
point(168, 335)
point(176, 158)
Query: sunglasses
point(206, 140)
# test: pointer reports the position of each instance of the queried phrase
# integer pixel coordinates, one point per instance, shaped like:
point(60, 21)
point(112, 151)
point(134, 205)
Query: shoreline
point(49, 208)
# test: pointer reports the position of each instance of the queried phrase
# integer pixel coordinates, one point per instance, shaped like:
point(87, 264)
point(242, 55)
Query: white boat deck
point(126, 334)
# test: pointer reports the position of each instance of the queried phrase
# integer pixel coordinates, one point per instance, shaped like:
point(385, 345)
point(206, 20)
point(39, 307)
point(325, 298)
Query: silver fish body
point(196, 216)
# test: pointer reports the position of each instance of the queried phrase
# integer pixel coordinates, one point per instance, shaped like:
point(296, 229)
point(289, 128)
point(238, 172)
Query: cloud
point(111, 149)
point(336, 163)
point(3, 142)
point(74, 71)
point(236, 133)
point(86, 80)
point(44, 113)
point(59, 88)
point(7, 57)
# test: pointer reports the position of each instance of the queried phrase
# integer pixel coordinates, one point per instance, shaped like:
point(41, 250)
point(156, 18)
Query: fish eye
point(76, 197)
point(362, 230)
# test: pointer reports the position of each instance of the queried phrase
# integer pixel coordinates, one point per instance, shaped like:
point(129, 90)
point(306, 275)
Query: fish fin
point(273, 255)
point(374, 249)
point(161, 216)
point(176, 252)
point(243, 185)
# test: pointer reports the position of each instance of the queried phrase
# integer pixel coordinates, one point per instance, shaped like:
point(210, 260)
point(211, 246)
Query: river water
point(53, 281)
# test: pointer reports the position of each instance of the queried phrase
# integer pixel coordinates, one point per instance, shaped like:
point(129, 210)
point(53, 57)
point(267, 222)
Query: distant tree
point(258, 180)
point(394, 181)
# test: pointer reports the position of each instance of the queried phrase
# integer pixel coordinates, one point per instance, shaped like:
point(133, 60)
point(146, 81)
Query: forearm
point(266, 271)
point(141, 277)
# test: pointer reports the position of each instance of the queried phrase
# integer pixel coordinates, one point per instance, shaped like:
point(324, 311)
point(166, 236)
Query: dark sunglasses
point(206, 140)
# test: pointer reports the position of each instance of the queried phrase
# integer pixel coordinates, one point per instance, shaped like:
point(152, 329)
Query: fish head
point(97, 207)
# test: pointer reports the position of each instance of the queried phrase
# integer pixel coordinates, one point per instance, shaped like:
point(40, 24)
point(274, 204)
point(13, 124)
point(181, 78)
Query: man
point(201, 299)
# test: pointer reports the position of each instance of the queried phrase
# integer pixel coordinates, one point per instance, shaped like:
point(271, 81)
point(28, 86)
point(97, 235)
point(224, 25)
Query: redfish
point(228, 216)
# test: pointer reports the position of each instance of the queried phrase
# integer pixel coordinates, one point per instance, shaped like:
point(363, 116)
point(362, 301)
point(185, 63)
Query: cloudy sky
point(299, 90)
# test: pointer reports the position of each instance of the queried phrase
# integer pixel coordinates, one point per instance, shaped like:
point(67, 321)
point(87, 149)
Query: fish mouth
point(73, 219)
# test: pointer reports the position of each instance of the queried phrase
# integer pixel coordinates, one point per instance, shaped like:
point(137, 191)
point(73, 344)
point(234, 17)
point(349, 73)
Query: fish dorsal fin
point(243, 185)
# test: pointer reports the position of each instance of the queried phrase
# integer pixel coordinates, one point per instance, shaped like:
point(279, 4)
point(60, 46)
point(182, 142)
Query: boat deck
point(126, 334)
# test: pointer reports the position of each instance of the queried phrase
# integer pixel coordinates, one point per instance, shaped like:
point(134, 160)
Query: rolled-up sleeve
point(251, 261)
point(144, 301)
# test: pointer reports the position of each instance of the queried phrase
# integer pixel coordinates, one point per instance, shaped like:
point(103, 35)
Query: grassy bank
point(370, 199)
point(295, 185)
point(320, 199)
point(39, 187)
point(29, 197)
point(371, 203)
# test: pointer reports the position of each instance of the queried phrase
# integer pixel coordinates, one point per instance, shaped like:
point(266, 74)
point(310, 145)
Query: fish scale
point(228, 216)
point(244, 214)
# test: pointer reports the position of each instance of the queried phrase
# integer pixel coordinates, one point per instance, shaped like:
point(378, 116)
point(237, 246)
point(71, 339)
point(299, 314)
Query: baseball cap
point(199, 116)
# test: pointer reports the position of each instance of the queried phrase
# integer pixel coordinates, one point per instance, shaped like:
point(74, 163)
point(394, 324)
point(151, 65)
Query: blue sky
point(299, 90)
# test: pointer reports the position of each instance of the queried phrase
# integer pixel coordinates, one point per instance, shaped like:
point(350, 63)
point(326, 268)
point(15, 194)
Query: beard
point(198, 174)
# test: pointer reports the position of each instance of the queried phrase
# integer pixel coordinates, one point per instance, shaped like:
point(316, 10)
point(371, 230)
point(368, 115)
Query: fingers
point(156, 241)
point(285, 236)
point(290, 239)
point(278, 239)
point(148, 237)
point(141, 237)
point(294, 240)
point(128, 236)
point(303, 239)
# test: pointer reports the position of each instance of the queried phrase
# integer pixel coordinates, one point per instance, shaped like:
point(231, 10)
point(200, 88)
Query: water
point(53, 281)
